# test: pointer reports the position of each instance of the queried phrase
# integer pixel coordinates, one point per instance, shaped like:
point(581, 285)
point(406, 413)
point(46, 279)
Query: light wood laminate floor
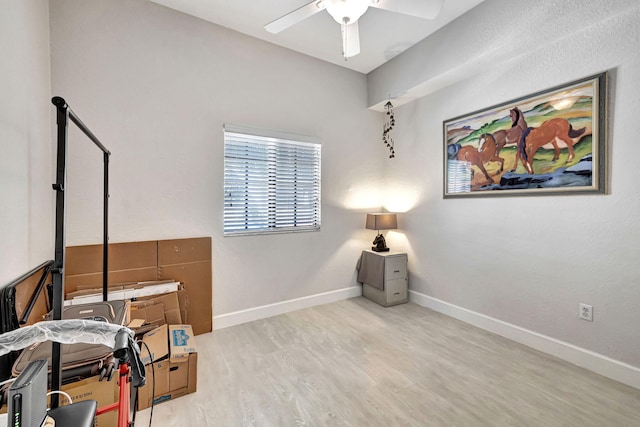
point(355, 363)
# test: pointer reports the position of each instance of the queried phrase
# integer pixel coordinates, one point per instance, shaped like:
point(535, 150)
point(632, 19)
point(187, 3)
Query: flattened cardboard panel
point(24, 292)
point(171, 305)
point(184, 260)
point(122, 256)
point(196, 277)
point(83, 259)
point(71, 282)
point(133, 255)
point(151, 314)
point(185, 302)
point(180, 251)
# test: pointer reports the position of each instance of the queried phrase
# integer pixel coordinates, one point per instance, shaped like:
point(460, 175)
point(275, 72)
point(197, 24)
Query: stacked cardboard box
point(168, 347)
point(171, 361)
point(168, 352)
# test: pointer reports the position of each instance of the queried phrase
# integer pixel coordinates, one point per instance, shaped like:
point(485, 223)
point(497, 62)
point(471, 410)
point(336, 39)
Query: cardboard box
point(184, 260)
point(157, 341)
point(171, 380)
point(151, 314)
point(104, 392)
point(170, 303)
point(181, 343)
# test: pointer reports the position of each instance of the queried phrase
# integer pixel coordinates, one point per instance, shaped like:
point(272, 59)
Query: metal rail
point(46, 268)
point(64, 113)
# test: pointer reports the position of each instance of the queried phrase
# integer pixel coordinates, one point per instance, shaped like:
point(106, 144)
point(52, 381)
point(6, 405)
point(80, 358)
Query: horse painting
point(557, 132)
point(487, 151)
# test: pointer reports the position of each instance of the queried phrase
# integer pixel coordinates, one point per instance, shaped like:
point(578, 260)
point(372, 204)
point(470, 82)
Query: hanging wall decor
point(386, 129)
point(549, 142)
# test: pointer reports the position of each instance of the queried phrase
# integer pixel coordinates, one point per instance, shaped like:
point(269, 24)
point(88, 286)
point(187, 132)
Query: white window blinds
point(271, 183)
point(458, 176)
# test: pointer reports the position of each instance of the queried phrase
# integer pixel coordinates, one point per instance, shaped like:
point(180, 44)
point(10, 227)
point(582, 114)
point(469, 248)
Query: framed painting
point(550, 142)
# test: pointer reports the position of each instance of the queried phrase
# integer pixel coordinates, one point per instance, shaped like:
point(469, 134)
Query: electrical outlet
point(586, 312)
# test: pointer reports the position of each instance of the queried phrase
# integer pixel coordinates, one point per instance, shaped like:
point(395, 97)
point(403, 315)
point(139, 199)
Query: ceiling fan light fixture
point(346, 11)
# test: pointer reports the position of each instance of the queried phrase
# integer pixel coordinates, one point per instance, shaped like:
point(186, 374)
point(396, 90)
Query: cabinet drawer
point(395, 267)
point(396, 290)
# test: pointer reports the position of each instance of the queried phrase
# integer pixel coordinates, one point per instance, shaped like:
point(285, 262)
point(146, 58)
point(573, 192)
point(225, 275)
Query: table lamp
point(381, 221)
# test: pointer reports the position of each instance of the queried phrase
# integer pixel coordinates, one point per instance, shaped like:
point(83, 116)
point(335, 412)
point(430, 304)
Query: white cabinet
point(384, 277)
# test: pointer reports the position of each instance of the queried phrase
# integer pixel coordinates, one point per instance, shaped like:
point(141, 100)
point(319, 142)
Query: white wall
point(26, 165)
point(156, 87)
point(528, 261)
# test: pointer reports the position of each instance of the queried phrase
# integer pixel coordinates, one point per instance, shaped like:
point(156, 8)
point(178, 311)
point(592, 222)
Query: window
point(271, 182)
point(459, 175)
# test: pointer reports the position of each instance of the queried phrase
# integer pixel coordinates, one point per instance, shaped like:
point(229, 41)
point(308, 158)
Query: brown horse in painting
point(487, 151)
point(557, 132)
point(490, 144)
point(511, 135)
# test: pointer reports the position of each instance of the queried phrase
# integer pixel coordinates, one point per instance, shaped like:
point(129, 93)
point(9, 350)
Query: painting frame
point(572, 116)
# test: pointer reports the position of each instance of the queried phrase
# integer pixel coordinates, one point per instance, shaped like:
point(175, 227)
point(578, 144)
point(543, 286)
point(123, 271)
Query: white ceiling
point(383, 34)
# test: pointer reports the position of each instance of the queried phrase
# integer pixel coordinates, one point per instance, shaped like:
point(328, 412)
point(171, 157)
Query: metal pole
point(105, 237)
point(61, 103)
point(64, 113)
point(36, 293)
point(58, 263)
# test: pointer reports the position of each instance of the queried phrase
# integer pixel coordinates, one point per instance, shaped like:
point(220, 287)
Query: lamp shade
point(382, 221)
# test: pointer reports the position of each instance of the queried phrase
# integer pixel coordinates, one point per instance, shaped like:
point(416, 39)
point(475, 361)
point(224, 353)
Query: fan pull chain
point(345, 34)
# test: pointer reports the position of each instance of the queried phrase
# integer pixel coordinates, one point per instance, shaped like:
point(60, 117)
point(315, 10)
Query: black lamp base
point(377, 249)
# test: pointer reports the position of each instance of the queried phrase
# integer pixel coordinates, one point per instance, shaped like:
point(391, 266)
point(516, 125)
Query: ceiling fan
point(347, 12)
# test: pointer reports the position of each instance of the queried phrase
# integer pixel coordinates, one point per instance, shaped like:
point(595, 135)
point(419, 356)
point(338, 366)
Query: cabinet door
point(396, 290)
point(395, 267)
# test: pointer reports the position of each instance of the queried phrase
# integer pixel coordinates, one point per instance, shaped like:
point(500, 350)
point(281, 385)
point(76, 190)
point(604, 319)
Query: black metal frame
point(36, 293)
point(64, 113)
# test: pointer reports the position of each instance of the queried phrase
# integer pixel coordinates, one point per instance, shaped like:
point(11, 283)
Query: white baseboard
point(603, 365)
point(263, 311)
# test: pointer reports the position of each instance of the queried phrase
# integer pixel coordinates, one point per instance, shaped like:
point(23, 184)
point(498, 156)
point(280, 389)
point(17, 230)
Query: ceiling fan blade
point(427, 9)
point(294, 17)
point(350, 40)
